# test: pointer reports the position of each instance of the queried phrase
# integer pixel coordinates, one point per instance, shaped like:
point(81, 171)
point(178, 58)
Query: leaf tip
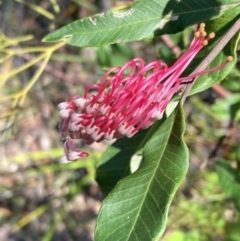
point(48, 38)
point(55, 37)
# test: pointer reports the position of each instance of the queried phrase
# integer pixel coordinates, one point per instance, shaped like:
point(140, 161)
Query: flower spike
point(121, 104)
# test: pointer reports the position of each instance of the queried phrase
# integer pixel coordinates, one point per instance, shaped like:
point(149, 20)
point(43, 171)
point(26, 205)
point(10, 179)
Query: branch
point(217, 49)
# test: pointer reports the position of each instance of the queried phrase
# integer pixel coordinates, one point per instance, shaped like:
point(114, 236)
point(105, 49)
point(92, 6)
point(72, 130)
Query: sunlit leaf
point(137, 207)
point(115, 162)
point(142, 19)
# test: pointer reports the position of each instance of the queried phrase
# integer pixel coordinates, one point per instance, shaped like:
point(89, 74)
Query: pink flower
point(126, 99)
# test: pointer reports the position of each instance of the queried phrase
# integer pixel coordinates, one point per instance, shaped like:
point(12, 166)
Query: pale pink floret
point(120, 105)
point(72, 153)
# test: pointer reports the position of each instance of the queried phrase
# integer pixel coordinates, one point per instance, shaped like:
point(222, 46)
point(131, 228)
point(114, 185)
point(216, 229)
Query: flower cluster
point(126, 99)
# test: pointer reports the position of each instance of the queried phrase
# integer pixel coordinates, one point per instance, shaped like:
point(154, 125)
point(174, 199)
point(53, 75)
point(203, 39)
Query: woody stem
point(215, 51)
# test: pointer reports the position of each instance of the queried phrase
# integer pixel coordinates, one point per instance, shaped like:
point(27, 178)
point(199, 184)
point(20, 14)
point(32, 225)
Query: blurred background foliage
point(43, 199)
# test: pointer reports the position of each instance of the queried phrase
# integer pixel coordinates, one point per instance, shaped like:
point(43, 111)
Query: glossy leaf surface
point(142, 19)
point(115, 162)
point(137, 207)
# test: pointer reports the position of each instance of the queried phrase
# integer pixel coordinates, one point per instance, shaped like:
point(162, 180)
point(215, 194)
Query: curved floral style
point(126, 99)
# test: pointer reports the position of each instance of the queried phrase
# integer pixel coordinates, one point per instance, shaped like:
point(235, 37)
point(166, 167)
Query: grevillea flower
point(126, 99)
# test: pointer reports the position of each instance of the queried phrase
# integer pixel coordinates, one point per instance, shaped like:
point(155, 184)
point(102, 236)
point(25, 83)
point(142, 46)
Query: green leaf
point(140, 20)
point(220, 26)
point(231, 82)
point(227, 108)
point(229, 180)
point(114, 55)
point(238, 156)
point(115, 162)
point(137, 207)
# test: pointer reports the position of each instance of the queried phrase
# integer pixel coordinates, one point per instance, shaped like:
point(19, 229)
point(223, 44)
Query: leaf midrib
point(149, 19)
point(140, 207)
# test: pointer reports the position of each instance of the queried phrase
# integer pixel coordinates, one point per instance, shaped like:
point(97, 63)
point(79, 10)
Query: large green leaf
point(220, 26)
point(137, 207)
point(115, 162)
point(140, 20)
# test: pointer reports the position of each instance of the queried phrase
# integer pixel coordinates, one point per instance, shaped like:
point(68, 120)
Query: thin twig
point(171, 45)
point(55, 72)
point(205, 63)
point(221, 91)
